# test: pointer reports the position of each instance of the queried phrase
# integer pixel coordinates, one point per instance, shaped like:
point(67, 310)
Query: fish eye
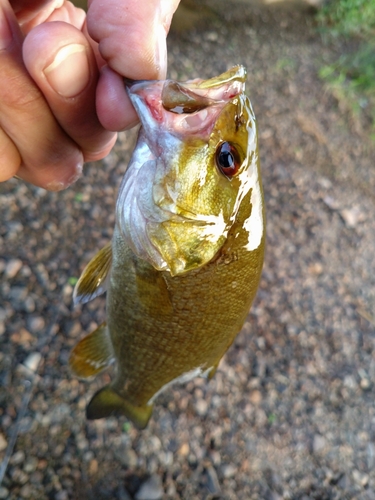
point(227, 159)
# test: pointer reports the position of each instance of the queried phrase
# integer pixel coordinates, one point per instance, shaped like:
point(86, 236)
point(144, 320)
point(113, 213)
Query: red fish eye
point(227, 159)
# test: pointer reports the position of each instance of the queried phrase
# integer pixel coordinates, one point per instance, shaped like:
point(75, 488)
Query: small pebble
point(17, 458)
point(27, 424)
point(171, 490)
point(32, 361)
point(352, 216)
point(29, 304)
point(212, 36)
point(316, 268)
point(360, 478)
point(67, 291)
point(3, 314)
point(4, 493)
point(93, 467)
point(255, 397)
point(12, 268)
point(319, 443)
point(61, 495)
point(365, 384)
point(22, 337)
point(19, 476)
point(228, 470)
point(350, 382)
point(25, 491)
point(201, 406)
point(3, 443)
point(18, 294)
point(127, 457)
point(184, 450)
point(36, 324)
point(88, 456)
point(151, 489)
point(30, 465)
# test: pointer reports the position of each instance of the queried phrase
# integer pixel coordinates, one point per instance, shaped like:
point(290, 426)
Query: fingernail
point(69, 73)
point(5, 32)
point(161, 52)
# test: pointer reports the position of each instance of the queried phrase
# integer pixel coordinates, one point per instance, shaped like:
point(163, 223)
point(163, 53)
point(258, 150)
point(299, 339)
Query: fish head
point(195, 161)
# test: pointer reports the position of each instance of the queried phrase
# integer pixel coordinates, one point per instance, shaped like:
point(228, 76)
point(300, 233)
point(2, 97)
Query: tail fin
point(106, 402)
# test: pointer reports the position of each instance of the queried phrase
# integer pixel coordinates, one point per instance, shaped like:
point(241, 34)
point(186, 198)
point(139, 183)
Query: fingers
point(32, 13)
point(46, 156)
point(61, 62)
point(48, 121)
point(132, 39)
point(114, 108)
point(132, 35)
point(10, 157)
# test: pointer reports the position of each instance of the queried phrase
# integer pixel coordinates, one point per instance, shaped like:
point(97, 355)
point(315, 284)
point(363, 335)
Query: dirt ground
point(290, 413)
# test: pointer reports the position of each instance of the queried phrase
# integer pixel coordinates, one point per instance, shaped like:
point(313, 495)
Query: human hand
point(49, 74)
point(132, 40)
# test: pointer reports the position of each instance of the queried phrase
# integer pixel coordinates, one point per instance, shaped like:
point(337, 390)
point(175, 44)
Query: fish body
point(185, 260)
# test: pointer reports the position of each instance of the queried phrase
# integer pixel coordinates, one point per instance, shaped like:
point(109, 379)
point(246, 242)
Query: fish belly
point(163, 328)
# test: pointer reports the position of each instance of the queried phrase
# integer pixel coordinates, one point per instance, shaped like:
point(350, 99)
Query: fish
point(186, 256)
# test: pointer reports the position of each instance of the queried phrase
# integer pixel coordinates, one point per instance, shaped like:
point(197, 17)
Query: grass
point(349, 17)
point(352, 77)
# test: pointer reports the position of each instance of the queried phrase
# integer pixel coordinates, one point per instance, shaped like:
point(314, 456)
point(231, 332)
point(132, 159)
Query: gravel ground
point(290, 412)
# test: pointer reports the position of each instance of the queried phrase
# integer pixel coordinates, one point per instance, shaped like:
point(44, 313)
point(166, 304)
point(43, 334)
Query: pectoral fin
point(93, 278)
point(106, 402)
point(92, 354)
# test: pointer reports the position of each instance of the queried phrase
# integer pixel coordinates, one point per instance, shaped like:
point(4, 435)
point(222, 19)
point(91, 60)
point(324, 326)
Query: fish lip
point(209, 92)
point(236, 73)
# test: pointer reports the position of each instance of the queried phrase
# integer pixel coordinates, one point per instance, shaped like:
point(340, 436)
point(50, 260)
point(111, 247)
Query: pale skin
point(62, 97)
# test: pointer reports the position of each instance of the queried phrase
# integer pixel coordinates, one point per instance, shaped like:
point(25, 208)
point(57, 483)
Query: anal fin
point(92, 354)
point(106, 402)
point(93, 278)
point(213, 370)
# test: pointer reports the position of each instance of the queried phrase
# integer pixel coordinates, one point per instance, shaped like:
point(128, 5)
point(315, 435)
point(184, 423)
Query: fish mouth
point(198, 102)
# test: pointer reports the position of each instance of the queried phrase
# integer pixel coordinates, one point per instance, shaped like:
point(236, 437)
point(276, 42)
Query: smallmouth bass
point(187, 252)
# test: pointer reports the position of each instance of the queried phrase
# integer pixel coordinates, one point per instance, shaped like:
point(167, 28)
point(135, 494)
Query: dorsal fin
point(92, 354)
point(93, 278)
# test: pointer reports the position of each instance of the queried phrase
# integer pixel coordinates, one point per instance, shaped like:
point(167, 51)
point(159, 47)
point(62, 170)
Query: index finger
point(31, 13)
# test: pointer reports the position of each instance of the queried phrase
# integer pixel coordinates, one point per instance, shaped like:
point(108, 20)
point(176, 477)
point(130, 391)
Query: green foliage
point(349, 17)
point(352, 77)
point(271, 418)
point(78, 197)
point(126, 427)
